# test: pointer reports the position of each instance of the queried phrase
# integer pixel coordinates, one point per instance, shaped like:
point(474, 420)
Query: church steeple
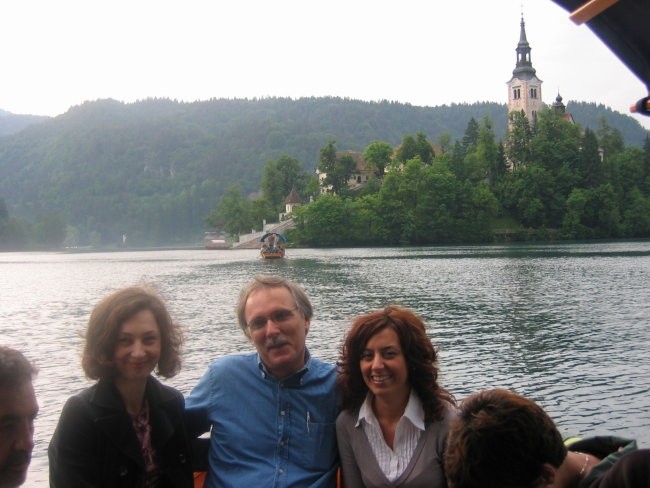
point(558, 106)
point(524, 88)
point(524, 68)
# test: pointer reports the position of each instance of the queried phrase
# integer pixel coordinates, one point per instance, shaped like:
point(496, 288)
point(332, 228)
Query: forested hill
point(12, 123)
point(155, 168)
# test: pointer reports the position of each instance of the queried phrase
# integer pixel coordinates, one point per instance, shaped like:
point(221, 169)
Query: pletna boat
point(272, 245)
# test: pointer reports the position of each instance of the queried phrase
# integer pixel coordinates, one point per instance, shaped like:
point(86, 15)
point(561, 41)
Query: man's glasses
point(279, 317)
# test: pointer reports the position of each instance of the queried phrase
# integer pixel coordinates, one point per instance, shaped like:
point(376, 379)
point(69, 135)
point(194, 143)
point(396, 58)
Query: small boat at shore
point(213, 241)
point(272, 245)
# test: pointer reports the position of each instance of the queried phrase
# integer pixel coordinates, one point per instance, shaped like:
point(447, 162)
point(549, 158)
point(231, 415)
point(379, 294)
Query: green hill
point(154, 169)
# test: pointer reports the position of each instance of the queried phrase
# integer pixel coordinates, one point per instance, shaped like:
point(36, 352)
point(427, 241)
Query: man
point(272, 412)
point(504, 440)
point(18, 409)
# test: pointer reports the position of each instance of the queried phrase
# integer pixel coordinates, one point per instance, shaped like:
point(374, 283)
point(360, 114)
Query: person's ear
point(548, 474)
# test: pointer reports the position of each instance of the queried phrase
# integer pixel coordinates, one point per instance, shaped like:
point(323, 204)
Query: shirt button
point(282, 412)
point(282, 443)
point(280, 470)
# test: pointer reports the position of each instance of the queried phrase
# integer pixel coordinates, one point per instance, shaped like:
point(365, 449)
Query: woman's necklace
point(584, 466)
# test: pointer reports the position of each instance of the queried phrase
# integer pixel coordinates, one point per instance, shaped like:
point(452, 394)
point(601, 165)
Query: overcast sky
point(58, 53)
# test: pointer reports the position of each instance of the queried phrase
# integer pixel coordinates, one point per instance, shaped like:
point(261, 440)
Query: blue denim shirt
point(268, 432)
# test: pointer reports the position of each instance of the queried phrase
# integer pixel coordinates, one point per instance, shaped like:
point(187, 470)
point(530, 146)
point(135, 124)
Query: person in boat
point(18, 409)
point(128, 429)
point(271, 241)
point(272, 412)
point(392, 430)
point(501, 439)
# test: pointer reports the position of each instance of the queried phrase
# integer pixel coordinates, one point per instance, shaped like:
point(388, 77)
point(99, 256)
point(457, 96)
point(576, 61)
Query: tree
point(337, 169)
point(646, 165)
point(518, 139)
point(233, 214)
point(379, 154)
point(470, 138)
point(636, 218)
point(555, 143)
point(444, 141)
point(49, 231)
point(590, 168)
point(407, 150)
point(424, 148)
point(13, 234)
point(4, 213)
point(415, 146)
point(391, 211)
point(609, 138)
point(323, 222)
point(280, 177)
point(572, 226)
point(487, 152)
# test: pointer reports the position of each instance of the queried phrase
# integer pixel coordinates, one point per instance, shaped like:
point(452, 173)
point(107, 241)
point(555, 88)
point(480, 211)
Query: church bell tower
point(524, 88)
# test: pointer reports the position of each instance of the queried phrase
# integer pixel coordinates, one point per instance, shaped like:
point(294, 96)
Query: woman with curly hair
point(392, 430)
point(128, 429)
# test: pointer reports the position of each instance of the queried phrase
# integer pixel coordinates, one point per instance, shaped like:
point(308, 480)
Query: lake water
point(565, 324)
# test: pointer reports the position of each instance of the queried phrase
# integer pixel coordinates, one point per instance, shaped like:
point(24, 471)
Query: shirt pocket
point(315, 446)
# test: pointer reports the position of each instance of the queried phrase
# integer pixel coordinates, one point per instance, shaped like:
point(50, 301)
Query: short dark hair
point(501, 440)
point(104, 326)
point(420, 355)
point(15, 369)
point(261, 282)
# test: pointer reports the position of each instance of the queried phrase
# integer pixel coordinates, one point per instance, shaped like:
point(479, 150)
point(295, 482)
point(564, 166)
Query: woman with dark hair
point(128, 429)
point(392, 430)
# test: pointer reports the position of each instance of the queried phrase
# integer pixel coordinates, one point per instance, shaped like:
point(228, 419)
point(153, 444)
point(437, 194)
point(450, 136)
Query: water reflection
point(564, 324)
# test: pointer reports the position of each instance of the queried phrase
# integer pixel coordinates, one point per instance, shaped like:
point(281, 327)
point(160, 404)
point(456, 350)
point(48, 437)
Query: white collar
point(414, 411)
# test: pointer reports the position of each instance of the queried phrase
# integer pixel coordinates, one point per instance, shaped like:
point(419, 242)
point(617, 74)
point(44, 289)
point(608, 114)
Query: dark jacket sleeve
point(175, 449)
point(630, 471)
point(73, 449)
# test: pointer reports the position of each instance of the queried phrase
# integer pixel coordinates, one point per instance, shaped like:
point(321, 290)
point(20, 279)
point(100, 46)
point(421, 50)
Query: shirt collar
point(294, 380)
point(414, 411)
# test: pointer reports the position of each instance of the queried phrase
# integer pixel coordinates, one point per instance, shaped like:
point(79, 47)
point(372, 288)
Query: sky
point(55, 54)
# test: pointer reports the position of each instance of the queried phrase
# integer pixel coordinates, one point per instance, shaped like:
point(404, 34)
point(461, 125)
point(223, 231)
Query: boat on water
point(214, 241)
point(272, 245)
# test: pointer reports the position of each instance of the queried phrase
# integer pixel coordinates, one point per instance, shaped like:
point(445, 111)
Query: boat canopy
point(278, 234)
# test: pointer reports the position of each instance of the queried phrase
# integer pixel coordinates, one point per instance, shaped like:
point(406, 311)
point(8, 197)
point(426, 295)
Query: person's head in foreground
point(274, 313)
point(18, 409)
point(504, 440)
point(387, 352)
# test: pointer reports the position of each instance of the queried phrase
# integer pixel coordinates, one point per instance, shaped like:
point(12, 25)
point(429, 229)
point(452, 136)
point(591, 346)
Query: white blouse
point(394, 461)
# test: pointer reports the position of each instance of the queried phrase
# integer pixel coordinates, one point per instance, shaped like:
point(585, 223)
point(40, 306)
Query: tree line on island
point(550, 181)
point(108, 174)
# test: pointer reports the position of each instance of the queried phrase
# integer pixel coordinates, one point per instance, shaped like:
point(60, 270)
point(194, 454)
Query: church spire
point(524, 88)
point(524, 68)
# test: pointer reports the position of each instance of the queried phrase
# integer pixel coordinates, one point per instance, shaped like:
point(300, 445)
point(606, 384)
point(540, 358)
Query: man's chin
point(12, 477)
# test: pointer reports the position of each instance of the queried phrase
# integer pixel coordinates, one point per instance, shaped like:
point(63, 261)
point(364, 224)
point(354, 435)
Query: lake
point(565, 324)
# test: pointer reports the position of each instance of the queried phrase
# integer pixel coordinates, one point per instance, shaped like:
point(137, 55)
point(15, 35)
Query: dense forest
point(155, 169)
point(550, 181)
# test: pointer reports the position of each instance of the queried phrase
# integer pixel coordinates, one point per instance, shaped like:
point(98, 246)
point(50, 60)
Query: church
point(525, 88)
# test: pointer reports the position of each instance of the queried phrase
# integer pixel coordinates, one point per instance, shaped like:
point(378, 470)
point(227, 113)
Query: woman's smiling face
point(138, 347)
point(384, 366)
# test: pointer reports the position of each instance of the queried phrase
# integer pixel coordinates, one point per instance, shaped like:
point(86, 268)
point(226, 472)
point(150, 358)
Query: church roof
point(524, 68)
point(293, 197)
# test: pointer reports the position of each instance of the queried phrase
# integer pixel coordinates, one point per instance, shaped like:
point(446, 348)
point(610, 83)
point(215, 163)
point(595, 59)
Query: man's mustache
point(272, 342)
point(18, 458)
